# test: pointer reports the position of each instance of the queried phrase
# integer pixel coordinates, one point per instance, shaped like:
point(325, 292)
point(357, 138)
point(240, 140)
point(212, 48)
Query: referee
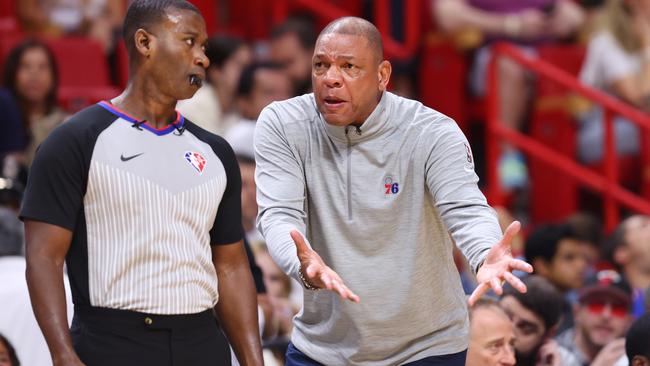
point(144, 207)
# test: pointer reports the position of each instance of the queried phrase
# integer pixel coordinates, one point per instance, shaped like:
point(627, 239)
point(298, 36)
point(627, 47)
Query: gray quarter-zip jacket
point(378, 203)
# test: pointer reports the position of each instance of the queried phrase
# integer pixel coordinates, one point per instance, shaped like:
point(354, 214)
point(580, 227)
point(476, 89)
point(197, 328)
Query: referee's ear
point(143, 41)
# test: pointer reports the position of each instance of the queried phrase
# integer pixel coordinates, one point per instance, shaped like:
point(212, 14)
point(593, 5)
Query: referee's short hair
point(144, 13)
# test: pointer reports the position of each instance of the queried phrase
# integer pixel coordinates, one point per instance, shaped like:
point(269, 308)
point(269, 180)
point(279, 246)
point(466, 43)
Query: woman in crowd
point(31, 77)
point(617, 62)
point(7, 353)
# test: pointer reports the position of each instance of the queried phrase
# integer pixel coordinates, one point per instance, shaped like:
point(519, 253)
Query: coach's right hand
point(317, 273)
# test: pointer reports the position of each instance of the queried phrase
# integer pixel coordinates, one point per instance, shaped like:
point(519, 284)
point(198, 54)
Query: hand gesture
point(317, 273)
point(610, 353)
point(498, 267)
point(549, 354)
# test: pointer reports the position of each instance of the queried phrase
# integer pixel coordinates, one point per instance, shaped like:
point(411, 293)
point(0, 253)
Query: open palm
point(498, 267)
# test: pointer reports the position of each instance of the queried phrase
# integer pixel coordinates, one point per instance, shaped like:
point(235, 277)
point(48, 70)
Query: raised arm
point(280, 191)
point(281, 199)
point(47, 246)
point(469, 219)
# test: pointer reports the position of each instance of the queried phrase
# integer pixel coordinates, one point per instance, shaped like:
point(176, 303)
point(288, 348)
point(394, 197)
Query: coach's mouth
point(333, 102)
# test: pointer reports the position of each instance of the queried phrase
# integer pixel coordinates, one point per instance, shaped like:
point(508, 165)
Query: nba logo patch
point(196, 160)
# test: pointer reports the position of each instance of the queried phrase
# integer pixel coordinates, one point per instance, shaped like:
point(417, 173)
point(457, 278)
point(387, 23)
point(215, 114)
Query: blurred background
point(553, 96)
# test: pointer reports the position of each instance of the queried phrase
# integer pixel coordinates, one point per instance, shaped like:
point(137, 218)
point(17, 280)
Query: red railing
point(606, 183)
point(394, 49)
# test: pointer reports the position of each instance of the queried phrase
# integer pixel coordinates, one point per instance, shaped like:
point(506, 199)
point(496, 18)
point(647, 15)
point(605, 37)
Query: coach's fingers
point(518, 264)
point(344, 291)
point(515, 282)
point(480, 290)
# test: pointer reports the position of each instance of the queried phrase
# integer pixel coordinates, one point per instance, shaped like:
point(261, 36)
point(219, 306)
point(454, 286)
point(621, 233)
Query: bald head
point(357, 27)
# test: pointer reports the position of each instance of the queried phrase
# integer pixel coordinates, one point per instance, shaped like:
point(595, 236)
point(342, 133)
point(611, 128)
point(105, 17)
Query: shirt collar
point(375, 125)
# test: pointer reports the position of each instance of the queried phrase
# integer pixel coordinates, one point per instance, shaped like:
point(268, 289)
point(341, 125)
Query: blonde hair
point(617, 19)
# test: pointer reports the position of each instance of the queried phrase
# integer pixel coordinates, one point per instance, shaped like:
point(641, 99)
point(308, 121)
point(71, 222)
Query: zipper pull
point(358, 130)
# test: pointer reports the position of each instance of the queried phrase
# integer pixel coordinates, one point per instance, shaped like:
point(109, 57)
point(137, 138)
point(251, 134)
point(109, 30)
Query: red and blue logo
point(391, 186)
point(196, 160)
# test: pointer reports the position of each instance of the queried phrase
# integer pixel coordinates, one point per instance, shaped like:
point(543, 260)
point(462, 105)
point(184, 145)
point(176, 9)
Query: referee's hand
point(498, 266)
point(317, 273)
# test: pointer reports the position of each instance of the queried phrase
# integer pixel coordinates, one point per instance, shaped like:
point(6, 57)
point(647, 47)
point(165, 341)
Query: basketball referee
point(144, 207)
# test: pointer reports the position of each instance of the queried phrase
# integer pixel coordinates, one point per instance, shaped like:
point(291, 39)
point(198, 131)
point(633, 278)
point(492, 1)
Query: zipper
point(349, 156)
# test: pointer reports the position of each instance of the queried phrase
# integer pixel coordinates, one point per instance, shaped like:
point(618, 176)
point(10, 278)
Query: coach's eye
point(190, 42)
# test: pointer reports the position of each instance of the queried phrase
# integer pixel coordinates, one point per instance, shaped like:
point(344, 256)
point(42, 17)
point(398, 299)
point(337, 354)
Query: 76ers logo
point(391, 186)
point(196, 160)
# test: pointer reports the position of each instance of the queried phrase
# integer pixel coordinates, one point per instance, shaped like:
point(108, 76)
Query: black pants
point(103, 337)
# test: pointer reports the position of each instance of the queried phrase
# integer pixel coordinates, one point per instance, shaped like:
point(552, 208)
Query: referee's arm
point(237, 306)
point(46, 248)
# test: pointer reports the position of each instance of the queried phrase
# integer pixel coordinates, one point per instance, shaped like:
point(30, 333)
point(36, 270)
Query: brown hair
point(617, 19)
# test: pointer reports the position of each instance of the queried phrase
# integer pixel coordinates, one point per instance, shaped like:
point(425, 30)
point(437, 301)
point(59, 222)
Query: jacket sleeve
point(453, 183)
point(280, 181)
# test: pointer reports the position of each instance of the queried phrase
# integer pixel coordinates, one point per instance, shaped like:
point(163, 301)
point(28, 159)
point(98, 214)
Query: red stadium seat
point(552, 123)
point(442, 75)
point(81, 62)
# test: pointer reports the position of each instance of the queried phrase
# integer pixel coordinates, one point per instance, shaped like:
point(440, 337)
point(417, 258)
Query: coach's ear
point(383, 74)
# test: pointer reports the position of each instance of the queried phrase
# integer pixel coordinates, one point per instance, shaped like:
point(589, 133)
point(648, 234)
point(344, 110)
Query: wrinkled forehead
point(337, 45)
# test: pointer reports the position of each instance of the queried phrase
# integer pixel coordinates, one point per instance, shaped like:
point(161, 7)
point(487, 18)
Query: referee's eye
point(190, 42)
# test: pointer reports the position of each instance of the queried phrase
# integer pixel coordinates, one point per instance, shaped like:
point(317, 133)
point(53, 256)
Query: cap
point(606, 283)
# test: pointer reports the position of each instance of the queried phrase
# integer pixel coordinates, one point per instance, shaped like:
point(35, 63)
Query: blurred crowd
point(588, 299)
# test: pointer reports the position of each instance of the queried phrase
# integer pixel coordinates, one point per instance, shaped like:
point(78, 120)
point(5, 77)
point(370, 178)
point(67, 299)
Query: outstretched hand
point(498, 266)
point(317, 273)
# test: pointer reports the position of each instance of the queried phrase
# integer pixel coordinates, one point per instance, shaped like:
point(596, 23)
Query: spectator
point(31, 76)
point(492, 336)
point(602, 317)
point(12, 139)
point(7, 353)
point(617, 62)
point(628, 248)
point(97, 19)
point(637, 342)
point(526, 23)
point(292, 46)
point(588, 229)
point(557, 255)
point(213, 107)
point(259, 85)
point(536, 316)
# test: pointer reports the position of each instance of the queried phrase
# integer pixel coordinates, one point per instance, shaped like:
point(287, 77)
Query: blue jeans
point(296, 358)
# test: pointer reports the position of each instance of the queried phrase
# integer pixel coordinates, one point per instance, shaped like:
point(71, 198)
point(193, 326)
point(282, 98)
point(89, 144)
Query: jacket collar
point(375, 125)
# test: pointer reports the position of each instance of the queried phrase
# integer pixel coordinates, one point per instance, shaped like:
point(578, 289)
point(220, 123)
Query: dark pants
point(296, 358)
point(103, 337)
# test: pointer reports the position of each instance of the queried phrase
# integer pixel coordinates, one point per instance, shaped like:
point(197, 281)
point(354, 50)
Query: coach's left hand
point(498, 267)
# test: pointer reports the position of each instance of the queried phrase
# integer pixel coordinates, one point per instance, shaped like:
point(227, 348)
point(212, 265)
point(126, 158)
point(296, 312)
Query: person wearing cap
point(602, 316)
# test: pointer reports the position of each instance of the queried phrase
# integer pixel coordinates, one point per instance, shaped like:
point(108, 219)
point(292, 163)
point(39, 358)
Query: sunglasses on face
point(617, 310)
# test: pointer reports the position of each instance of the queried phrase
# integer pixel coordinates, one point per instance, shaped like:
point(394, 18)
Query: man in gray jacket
point(359, 184)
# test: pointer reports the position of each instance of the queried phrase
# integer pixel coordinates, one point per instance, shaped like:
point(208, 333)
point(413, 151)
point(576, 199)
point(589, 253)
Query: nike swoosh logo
point(127, 158)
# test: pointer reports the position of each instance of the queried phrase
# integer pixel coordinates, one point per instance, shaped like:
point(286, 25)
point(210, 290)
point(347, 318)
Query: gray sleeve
point(280, 191)
point(453, 183)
